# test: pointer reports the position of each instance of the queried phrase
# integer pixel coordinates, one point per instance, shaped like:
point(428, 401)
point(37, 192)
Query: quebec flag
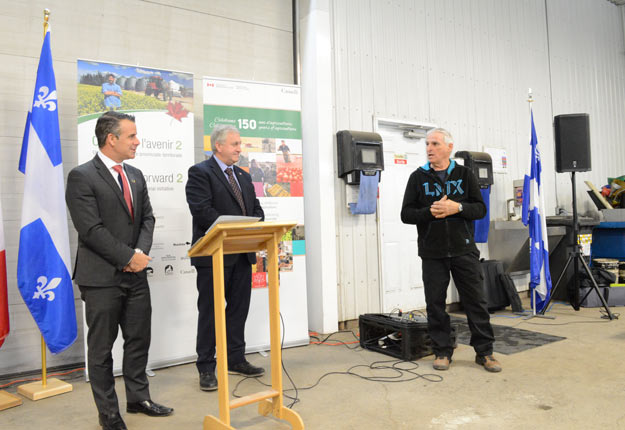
point(43, 268)
point(533, 214)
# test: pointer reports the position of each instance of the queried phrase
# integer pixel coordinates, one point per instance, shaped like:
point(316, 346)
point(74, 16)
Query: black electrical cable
point(400, 373)
point(573, 322)
point(295, 399)
point(338, 342)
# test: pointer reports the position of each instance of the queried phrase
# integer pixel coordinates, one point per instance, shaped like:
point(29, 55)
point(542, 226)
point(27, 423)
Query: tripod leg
point(586, 295)
point(553, 291)
point(596, 288)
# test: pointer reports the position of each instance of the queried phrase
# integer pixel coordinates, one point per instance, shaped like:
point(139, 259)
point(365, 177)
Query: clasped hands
point(444, 208)
point(138, 262)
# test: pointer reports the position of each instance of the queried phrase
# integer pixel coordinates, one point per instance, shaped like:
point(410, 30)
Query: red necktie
point(125, 189)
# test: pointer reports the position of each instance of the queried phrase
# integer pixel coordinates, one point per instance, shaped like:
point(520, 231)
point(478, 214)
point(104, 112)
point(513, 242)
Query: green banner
point(254, 122)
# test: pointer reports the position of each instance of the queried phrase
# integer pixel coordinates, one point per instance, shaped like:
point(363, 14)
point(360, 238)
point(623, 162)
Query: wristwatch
point(459, 207)
point(138, 251)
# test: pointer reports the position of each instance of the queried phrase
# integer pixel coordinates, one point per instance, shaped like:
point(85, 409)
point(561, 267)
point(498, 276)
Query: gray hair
point(219, 134)
point(448, 138)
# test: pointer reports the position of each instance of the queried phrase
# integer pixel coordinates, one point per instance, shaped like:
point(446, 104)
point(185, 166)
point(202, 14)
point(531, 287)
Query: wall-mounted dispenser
point(359, 152)
point(481, 164)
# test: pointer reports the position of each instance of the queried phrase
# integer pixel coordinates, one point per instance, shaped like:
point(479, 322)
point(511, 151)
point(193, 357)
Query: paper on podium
point(226, 219)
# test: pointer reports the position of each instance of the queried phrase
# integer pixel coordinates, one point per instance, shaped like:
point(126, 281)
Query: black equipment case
point(403, 337)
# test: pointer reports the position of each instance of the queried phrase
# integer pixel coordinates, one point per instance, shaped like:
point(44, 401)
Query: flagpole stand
point(534, 313)
point(576, 257)
point(8, 400)
point(47, 387)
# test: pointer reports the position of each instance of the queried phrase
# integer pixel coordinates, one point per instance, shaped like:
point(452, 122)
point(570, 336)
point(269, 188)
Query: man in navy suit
point(110, 208)
point(217, 187)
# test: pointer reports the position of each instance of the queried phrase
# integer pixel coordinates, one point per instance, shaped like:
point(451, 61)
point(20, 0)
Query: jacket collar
point(103, 171)
point(452, 164)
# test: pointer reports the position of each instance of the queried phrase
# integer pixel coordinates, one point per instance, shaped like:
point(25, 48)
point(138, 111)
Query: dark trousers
point(469, 282)
point(127, 306)
point(238, 290)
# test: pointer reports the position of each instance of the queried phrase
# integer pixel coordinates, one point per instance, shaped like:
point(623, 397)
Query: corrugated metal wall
point(467, 66)
point(243, 39)
point(588, 75)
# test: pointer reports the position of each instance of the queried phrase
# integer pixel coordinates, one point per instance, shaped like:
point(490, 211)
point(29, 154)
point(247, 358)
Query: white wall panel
point(467, 66)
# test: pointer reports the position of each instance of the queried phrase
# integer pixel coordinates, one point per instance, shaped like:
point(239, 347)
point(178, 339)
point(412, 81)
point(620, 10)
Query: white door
point(402, 287)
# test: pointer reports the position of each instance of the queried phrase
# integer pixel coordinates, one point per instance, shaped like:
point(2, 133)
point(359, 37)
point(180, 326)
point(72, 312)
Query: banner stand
point(46, 387)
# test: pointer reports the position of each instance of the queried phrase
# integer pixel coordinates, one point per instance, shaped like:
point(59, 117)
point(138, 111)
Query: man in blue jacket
point(443, 198)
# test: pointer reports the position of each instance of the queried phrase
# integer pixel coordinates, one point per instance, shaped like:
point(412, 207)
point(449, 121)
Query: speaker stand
point(575, 257)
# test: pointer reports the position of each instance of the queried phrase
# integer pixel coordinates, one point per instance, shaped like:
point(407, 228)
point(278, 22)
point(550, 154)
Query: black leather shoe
point(149, 408)
point(112, 422)
point(208, 381)
point(246, 369)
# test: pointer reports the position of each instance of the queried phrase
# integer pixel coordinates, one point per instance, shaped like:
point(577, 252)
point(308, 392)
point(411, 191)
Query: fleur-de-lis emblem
point(45, 100)
point(43, 290)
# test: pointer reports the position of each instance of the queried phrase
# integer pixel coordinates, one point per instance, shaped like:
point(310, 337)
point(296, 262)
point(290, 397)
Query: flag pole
point(46, 388)
point(44, 371)
point(530, 100)
point(46, 17)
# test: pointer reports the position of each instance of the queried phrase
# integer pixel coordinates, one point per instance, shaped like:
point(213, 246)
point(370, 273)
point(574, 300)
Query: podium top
point(238, 237)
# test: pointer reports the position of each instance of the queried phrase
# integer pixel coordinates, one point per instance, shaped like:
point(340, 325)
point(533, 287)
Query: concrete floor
point(577, 383)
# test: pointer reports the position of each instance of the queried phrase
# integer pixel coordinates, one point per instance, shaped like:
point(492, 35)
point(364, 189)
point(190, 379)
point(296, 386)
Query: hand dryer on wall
point(481, 164)
point(359, 152)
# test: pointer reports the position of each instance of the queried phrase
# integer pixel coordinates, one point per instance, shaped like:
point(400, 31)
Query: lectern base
point(265, 407)
point(214, 423)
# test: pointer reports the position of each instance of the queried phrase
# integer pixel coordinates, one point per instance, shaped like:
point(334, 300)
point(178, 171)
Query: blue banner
point(43, 268)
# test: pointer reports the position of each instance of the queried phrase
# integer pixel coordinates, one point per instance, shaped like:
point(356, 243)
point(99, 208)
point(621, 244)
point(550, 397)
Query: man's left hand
point(444, 208)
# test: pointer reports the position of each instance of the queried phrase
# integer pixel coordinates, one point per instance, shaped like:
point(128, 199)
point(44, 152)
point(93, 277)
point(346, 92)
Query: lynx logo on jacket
point(451, 188)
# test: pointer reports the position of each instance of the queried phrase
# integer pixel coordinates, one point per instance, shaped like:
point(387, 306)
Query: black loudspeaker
point(572, 135)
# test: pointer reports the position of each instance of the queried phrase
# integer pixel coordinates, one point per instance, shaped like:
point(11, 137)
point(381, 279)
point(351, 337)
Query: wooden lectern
point(237, 238)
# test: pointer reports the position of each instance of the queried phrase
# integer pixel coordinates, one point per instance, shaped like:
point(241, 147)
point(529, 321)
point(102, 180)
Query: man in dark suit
point(217, 187)
point(110, 208)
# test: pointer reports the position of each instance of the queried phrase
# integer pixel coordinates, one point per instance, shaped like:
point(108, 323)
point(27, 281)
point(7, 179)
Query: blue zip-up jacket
point(451, 236)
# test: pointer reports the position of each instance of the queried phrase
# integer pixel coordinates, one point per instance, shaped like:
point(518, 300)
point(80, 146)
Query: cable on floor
point(338, 343)
point(401, 371)
point(17, 381)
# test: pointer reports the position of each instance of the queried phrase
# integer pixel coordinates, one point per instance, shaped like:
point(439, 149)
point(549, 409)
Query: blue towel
point(367, 195)
point(481, 226)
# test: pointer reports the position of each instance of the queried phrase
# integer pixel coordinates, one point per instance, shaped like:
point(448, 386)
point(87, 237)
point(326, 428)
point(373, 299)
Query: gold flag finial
point(46, 17)
point(530, 97)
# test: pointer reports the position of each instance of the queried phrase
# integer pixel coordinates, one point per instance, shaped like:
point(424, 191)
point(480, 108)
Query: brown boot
point(489, 363)
point(442, 363)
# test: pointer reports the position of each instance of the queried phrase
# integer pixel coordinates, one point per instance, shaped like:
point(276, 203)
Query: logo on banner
point(43, 290)
point(45, 100)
